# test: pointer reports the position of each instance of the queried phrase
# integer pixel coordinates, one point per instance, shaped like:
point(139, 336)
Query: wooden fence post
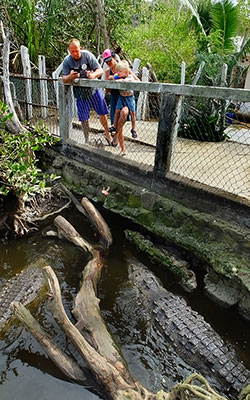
point(28, 85)
point(167, 132)
point(43, 86)
point(199, 72)
point(64, 110)
point(15, 102)
point(55, 76)
point(136, 65)
point(183, 72)
point(142, 102)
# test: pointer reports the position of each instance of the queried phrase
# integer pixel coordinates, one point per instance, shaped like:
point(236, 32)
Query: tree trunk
point(101, 18)
point(14, 124)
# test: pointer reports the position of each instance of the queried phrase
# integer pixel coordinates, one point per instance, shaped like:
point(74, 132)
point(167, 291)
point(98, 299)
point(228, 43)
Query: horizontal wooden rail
point(32, 78)
point(180, 90)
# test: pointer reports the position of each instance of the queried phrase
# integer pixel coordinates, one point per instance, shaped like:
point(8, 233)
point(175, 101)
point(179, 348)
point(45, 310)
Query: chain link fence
point(210, 147)
point(140, 149)
point(213, 144)
point(35, 99)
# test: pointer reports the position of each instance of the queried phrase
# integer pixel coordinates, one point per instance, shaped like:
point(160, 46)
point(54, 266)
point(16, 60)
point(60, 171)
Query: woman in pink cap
point(111, 59)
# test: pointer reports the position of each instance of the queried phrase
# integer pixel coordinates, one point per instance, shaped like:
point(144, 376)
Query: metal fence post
point(64, 107)
point(167, 132)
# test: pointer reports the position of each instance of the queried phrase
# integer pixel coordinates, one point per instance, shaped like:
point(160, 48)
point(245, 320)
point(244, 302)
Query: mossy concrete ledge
point(223, 246)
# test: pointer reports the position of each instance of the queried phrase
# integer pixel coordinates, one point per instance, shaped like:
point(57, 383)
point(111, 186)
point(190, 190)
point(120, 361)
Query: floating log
point(67, 231)
point(97, 220)
point(61, 360)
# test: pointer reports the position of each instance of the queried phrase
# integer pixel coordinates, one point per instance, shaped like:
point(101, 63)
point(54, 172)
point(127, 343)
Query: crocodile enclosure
point(186, 333)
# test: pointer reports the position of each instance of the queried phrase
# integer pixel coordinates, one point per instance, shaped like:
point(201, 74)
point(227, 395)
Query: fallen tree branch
point(67, 231)
point(37, 219)
point(97, 220)
point(74, 200)
point(87, 313)
point(106, 373)
point(95, 344)
point(62, 361)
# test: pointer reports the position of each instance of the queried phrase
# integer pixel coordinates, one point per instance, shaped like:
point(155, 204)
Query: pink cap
point(107, 55)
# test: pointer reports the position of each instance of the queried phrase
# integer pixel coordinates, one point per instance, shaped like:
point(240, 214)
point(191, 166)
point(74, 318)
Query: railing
point(198, 134)
point(35, 100)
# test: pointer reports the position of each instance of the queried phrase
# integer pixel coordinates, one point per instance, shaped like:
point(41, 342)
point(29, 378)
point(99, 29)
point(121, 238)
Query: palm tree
point(216, 22)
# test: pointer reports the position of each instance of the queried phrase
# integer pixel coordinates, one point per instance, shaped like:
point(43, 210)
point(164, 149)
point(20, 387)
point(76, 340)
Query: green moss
point(146, 217)
point(134, 201)
point(156, 255)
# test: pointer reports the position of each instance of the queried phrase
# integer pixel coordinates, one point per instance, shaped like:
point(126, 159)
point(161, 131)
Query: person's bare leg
point(104, 122)
point(85, 127)
point(116, 118)
point(122, 143)
point(133, 120)
point(122, 119)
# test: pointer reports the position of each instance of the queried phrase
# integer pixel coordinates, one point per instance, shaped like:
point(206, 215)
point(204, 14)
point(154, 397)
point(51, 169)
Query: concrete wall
point(211, 228)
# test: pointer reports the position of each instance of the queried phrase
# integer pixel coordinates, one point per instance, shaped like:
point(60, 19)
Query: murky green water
point(26, 372)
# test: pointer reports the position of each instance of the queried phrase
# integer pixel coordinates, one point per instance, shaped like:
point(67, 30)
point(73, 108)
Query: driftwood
point(67, 231)
point(65, 364)
point(90, 335)
point(74, 200)
point(99, 223)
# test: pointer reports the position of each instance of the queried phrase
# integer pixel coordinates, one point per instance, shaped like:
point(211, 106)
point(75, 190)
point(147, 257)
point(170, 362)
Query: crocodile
point(187, 334)
point(23, 287)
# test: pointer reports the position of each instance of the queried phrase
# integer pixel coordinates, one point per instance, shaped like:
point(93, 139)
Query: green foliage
point(215, 43)
point(162, 40)
point(202, 123)
point(203, 10)
point(217, 22)
point(22, 14)
point(19, 172)
point(244, 17)
point(224, 15)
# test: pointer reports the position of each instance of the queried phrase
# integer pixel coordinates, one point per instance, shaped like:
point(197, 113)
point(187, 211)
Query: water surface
point(25, 370)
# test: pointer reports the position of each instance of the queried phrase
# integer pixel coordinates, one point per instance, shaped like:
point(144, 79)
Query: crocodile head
point(142, 278)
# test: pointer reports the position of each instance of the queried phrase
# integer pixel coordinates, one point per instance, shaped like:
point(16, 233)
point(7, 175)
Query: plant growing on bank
point(215, 24)
point(19, 172)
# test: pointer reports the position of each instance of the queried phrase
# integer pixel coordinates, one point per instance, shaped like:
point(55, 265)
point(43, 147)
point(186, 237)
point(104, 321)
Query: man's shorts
point(126, 101)
point(96, 101)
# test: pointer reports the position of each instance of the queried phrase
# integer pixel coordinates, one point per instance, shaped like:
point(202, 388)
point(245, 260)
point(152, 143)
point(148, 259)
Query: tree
point(101, 21)
point(161, 39)
point(216, 22)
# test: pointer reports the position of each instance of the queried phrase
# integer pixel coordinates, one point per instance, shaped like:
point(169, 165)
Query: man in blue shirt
point(83, 64)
